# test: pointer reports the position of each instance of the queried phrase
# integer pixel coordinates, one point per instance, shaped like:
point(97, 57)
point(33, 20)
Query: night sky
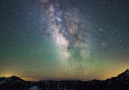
point(64, 39)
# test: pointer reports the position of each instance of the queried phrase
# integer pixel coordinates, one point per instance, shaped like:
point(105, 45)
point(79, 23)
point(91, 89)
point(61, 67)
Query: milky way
point(68, 31)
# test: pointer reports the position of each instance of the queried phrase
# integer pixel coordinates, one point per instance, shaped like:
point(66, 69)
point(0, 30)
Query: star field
point(64, 39)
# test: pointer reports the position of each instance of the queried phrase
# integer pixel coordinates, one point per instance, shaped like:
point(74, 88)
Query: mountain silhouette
point(121, 82)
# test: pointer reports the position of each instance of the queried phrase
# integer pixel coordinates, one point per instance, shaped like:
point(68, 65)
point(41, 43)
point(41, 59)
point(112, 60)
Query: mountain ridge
point(120, 82)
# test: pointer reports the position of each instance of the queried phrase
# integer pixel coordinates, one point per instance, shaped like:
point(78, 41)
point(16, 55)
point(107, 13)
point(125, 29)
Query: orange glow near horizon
point(101, 73)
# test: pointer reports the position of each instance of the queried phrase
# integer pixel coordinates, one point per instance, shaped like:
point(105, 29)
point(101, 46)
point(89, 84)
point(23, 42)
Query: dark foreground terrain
point(121, 82)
